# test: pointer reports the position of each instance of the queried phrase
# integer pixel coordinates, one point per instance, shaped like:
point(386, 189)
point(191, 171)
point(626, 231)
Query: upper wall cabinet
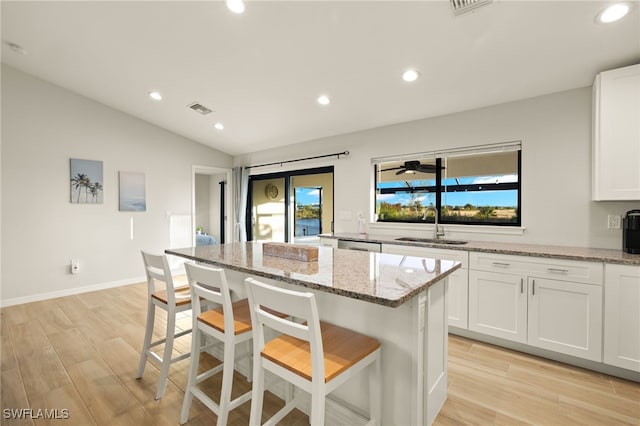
point(616, 134)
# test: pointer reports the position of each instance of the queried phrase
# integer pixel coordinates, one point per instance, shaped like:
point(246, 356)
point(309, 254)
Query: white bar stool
point(172, 300)
point(229, 324)
point(313, 355)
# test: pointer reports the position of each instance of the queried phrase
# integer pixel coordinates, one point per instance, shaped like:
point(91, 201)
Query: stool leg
point(151, 316)
point(196, 344)
point(166, 357)
point(257, 391)
point(375, 392)
point(317, 403)
point(227, 381)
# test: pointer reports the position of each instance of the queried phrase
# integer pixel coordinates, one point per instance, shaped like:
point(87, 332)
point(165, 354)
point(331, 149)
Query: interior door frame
point(208, 170)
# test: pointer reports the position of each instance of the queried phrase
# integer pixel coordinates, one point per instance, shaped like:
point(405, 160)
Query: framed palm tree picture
point(86, 181)
point(132, 192)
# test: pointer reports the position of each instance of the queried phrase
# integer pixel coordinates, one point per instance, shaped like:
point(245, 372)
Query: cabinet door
point(622, 316)
point(498, 305)
point(616, 134)
point(566, 317)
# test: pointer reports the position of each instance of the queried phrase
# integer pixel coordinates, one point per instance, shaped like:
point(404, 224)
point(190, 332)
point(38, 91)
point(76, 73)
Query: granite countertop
point(554, 252)
point(385, 279)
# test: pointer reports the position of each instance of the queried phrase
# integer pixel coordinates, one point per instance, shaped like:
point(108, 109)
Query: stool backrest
point(303, 321)
point(156, 268)
point(210, 283)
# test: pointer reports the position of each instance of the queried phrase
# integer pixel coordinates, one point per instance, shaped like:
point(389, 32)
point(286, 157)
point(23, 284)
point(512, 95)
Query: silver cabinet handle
point(558, 270)
point(533, 287)
point(501, 264)
point(521, 285)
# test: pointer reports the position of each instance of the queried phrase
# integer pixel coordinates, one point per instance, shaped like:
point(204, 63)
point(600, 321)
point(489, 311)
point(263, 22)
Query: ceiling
point(261, 72)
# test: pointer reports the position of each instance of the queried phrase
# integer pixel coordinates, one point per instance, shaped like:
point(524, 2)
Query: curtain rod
point(337, 154)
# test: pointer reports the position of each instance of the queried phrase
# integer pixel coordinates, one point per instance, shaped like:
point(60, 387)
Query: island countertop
point(385, 279)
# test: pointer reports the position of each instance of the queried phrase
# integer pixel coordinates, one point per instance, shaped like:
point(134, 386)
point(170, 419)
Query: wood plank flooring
point(78, 355)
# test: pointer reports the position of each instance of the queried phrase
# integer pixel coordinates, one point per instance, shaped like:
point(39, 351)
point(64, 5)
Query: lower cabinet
point(565, 317)
point(555, 314)
point(498, 305)
point(622, 316)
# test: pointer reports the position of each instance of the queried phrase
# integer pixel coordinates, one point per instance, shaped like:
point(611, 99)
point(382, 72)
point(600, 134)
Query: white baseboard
point(69, 292)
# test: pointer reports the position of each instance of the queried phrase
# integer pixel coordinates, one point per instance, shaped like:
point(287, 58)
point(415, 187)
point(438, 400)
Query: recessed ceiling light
point(155, 95)
point(410, 75)
point(219, 126)
point(236, 6)
point(324, 100)
point(613, 13)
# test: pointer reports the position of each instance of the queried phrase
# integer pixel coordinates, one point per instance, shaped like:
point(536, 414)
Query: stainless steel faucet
point(436, 231)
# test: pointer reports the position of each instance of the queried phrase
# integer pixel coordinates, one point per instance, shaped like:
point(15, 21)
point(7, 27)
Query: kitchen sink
point(431, 240)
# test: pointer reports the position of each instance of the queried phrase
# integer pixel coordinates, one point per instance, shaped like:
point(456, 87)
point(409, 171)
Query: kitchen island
point(400, 300)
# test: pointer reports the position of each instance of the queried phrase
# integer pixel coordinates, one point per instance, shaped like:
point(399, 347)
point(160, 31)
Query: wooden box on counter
point(291, 251)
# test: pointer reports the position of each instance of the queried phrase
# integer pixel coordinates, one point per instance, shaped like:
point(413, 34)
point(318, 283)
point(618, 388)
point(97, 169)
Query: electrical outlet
point(613, 221)
point(75, 266)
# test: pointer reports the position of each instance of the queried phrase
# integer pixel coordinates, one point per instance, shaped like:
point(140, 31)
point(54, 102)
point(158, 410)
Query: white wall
point(555, 131)
point(43, 126)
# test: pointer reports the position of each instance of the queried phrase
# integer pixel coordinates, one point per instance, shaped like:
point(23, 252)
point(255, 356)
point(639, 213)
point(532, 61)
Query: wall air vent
point(463, 6)
point(199, 108)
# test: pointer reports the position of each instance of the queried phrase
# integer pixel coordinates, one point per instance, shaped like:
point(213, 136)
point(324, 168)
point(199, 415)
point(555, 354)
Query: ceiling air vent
point(463, 6)
point(200, 108)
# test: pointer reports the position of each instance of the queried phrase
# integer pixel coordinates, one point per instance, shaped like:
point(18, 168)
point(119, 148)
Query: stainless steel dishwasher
point(359, 245)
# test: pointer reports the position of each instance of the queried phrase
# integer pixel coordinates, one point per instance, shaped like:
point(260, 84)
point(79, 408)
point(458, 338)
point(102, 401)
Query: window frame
point(439, 188)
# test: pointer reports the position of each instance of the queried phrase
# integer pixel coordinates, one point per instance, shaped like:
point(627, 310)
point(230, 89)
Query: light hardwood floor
point(80, 353)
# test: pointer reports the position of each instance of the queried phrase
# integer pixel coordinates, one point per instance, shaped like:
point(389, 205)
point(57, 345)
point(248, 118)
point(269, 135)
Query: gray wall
point(555, 131)
point(43, 126)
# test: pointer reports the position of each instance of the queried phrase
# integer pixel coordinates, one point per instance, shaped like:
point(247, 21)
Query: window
point(473, 186)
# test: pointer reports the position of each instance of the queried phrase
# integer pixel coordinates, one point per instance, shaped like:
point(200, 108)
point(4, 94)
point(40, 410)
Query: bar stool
point(229, 324)
point(172, 300)
point(311, 354)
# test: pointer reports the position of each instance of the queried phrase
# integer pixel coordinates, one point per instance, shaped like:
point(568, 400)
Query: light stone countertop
point(385, 279)
point(553, 252)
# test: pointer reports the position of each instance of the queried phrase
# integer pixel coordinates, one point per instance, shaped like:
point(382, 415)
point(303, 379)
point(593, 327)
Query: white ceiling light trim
point(156, 96)
point(613, 13)
point(236, 6)
point(410, 75)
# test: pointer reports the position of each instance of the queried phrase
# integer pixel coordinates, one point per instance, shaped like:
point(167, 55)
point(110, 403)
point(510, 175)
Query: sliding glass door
point(294, 206)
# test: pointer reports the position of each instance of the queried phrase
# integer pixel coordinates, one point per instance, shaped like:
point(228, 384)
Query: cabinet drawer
point(557, 269)
point(434, 253)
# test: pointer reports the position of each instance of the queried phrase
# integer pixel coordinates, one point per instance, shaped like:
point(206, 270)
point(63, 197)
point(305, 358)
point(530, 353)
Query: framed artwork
point(86, 181)
point(132, 192)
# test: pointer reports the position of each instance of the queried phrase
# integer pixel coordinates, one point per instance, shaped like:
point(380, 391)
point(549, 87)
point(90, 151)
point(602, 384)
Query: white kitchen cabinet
point(458, 280)
point(565, 317)
point(616, 134)
point(548, 303)
point(498, 305)
point(622, 316)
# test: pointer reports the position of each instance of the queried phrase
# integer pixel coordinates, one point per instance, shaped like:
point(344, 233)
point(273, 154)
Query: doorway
point(294, 206)
point(210, 205)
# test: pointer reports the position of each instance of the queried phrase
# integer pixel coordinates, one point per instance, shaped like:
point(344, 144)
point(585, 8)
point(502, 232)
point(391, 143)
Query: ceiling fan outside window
point(414, 166)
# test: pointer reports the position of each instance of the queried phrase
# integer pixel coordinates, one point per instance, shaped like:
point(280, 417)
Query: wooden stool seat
point(182, 295)
point(241, 317)
point(343, 348)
